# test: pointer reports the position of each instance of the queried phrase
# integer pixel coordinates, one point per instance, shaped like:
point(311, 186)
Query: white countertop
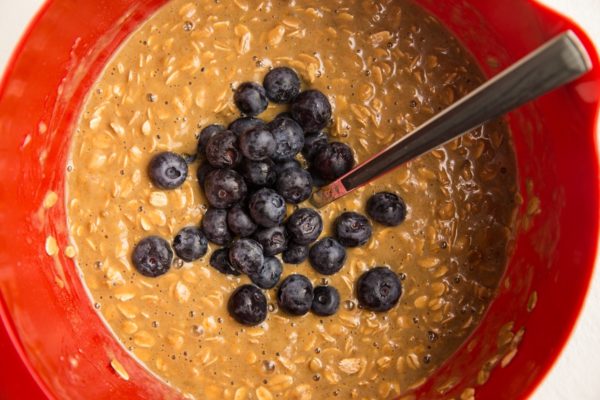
point(575, 375)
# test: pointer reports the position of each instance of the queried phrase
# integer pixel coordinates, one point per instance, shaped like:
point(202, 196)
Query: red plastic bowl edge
point(595, 269)
point(8, 324)
point(4, 316)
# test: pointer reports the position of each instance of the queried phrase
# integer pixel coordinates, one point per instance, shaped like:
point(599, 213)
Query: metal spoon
point(557, 62)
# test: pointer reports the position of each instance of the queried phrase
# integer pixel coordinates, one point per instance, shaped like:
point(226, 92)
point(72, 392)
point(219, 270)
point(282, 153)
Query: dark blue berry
point(289, 138)
point(352, 229)
point(259, 173)
point(304, 226)
point(189, 158)
point(378, 289)
point(386, 208)
point(244, 124)
point(312, 143)
point(203, 171)
point(284, 114)
point(167, 170)
point(219, 260)
point(317, 180)
point(239, 221)
point(282, 85)
point(250, 98)
point(327, 256)
point(332, 161)
point(295, 295)
point(246, 255)
point(294, 184)
point(312, 110)
point(224, 188)
point(257, 144)
point(152, 256)
point(326, 301)
point(206, 134)
point(267, 208)
point(273, 240)
point(190, 243)
point(268, 274)
point(295, 253)
point(214, 226)
point(282, 166)
point(248, 305)
point(222, 150)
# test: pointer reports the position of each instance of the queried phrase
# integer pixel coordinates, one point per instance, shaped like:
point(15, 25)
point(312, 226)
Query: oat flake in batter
point(386, 66)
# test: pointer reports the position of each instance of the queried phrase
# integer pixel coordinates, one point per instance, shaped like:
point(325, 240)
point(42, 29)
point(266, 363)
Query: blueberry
point(267, 208)
point(222, 150)
point(327, 256)
point(248, 305)
point(326, 301)
point(214, 226)
point(304, 226)
point(295, 295)
point(280, 167)
point(312, 143)
point(203, 170)
point(318, 181)
point(352, 229)
point(282, 85)
point(257, 144)
point(284, 114)
point(239, 222)
point(332, 161)
point(251, 98)
point(273, 240)
point(167, 170)
point(268, 274)
point(378, 289)
point(206, 134)
point(190, 243)
point(219, 260)
point(294, 184)
point(244, 124)
point(246, 255)
point(386, 208)
point(189, 158)
point(289, 138)
point(295, 253)
point(259, 173)
point(152, 256)
point(224, 188)
point(312, 110)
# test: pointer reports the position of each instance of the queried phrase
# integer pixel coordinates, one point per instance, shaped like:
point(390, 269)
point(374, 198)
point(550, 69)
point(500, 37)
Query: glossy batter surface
point(386, 67)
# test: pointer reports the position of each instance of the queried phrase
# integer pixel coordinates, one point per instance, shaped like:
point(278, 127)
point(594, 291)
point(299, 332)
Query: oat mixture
point(386, 67)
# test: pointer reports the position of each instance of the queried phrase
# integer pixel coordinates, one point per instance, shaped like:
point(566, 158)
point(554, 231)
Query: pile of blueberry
point(248, 173)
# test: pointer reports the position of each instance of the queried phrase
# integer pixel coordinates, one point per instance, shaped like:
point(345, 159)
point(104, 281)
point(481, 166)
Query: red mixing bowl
point(67, 349)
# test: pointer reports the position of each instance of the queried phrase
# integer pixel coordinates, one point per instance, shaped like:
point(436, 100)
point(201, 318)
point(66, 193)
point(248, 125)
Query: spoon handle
point(554, 64)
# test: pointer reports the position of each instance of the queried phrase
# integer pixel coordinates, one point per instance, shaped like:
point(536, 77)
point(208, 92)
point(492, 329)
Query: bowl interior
point(67, 347)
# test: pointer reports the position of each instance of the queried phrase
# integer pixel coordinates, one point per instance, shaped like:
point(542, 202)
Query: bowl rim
point(5, 317)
